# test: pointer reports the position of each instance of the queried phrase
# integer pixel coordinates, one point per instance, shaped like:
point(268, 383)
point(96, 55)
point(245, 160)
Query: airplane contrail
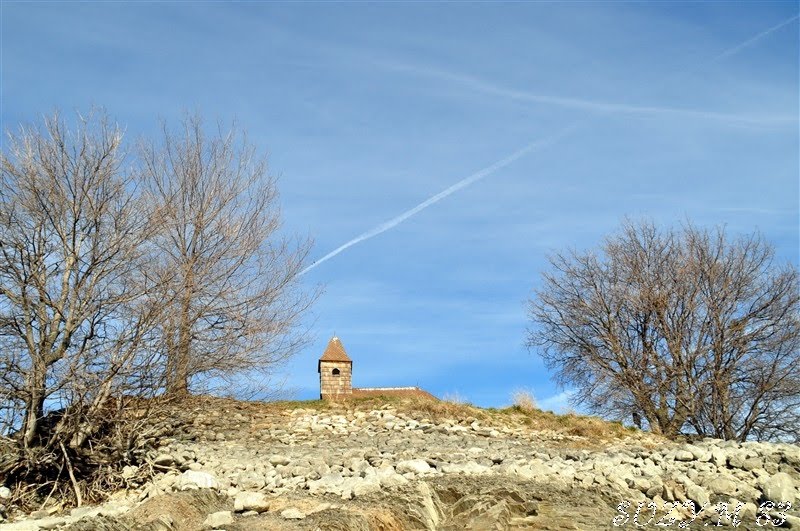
point(753, 39)
point(466, 181)
point(604, 108)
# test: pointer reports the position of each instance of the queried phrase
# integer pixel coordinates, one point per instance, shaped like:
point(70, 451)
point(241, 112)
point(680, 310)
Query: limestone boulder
point(292, 513)
point(723, 485)
point(218, 519)
point(251, 501)
point(779, 488)
point(192, 479)
point(414, 466)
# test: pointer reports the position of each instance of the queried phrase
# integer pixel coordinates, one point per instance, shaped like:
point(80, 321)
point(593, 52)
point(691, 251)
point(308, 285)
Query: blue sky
point(667, 110)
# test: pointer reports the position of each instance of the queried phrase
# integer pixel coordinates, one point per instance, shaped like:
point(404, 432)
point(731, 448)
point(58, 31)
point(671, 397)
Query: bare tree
point(76, 314)
point(686, 329)
point(121, 281)
point(236, 301)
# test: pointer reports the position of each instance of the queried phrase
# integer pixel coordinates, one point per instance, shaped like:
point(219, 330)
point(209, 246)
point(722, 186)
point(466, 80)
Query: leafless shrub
point(454, 398)
point(524, 400)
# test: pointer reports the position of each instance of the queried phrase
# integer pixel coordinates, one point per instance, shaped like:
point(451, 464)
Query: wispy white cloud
point(558, 403)
point(591, 105)
point(758, 210)
point(597, 106)
point(494, 88)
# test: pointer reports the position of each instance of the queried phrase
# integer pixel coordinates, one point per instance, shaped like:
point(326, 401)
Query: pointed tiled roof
point(335, 351)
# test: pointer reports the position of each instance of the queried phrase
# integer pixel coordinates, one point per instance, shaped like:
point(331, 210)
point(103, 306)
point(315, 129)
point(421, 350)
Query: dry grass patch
point(522, 414)
point(439, 409)
point(569, 424)
point(431, 408)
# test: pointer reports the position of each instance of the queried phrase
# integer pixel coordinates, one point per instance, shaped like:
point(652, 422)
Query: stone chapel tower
point(335, 371)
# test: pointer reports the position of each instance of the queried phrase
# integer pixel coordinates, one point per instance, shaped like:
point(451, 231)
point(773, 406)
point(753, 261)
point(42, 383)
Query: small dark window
point(335, 372)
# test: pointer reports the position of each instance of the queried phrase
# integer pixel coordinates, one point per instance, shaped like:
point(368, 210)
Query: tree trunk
point(179, 358)
point(34, 408)
point(637, 420)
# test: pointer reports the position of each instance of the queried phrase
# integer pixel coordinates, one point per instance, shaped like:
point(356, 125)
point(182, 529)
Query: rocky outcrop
point(392, 468)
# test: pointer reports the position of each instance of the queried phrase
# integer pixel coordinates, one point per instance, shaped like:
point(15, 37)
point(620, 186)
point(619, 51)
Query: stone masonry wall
point(331, 385)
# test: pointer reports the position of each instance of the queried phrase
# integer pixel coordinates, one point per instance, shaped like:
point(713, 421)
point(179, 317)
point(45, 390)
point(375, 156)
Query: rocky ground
point(396, 465)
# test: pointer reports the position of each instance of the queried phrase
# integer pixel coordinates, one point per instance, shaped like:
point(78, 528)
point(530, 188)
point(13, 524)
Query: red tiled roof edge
point(335, 351)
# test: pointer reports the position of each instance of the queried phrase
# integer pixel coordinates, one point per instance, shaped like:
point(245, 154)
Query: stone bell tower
point(335, 372)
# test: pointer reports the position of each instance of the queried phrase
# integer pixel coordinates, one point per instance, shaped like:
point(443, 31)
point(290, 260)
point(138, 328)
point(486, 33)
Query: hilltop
point(412, 463)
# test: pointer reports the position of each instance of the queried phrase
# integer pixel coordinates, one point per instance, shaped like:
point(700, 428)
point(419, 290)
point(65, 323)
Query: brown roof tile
point(335, 351)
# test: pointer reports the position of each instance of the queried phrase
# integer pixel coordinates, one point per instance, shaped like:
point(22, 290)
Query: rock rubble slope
point(430, 465)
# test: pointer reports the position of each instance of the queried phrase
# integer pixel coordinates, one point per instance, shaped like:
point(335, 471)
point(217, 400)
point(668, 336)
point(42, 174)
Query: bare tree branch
point(688, 329)
point(236, 300)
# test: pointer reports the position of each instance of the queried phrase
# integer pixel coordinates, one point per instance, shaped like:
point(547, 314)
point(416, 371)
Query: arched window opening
point(335, 372)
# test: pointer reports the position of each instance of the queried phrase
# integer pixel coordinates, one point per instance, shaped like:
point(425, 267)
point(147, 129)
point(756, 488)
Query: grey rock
point(84, 512)
point(792, 522)
point(330, 483)
point(129, 471)
point(684, 455)
point(723, 485)
point(303, 471)
point(779, 488)
point(698, 495)
point(639, 483)
point(25, 525)
point(415, 466)
point(292, 513)
point(736, 460)
point(164, 460)
point(718, 456)
point(112, 509)
point(250, 480)
point(696, 451)
point(655, 491)
point(389, 478)
point(752, 463)
point(361, 487)
point(469, 467)
point(197, 480)
point(747, 492)
point(162, 523)
point(218, 519)
point(318, 453)
point(250, 501)
point(51, 523)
